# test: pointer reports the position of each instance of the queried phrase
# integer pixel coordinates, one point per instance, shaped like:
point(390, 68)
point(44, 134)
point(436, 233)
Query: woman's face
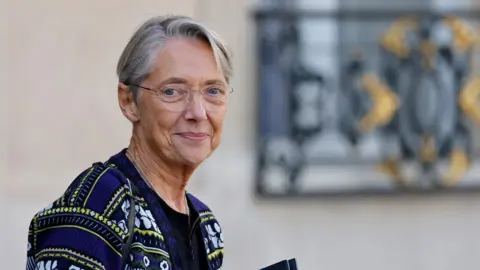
point(190, 132)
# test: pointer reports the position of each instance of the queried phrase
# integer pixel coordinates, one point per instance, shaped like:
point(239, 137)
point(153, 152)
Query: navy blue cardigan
point(89, 226)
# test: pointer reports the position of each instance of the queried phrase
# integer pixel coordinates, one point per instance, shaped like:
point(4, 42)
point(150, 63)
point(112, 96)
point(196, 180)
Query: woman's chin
point(193, 155)
point(194, 158)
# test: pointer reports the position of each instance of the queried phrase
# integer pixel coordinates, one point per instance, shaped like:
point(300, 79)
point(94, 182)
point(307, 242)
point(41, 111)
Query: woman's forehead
point(188, 60)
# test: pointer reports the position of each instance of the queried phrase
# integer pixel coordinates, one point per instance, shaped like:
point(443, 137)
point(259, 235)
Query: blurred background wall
point(59, 90)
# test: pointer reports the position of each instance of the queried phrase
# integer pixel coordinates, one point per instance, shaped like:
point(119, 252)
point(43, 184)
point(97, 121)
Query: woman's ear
point(127, 103)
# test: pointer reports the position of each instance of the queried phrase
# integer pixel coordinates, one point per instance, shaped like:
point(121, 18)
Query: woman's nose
point(195, 109)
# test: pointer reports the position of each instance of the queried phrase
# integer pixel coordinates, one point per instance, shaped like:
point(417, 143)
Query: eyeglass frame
point(156, 90)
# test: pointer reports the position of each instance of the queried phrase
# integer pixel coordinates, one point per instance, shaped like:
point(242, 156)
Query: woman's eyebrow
point(171, 80)
point(214, 81)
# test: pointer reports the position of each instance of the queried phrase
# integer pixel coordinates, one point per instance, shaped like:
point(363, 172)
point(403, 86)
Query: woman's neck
point(167, 180)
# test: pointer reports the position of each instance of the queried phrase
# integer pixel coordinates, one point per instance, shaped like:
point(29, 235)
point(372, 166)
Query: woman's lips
point(193, 136)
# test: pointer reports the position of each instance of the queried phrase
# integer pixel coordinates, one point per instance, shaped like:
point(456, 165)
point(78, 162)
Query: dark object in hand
point(283, 265)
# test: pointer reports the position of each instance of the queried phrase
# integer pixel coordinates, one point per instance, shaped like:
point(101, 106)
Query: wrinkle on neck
point(169, 180)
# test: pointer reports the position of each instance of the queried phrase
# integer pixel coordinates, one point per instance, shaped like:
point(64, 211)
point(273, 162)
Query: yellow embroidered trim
point(150, 249)
point(77, 190)
point(207, 219)
point(149, 233)
point(71, 256)
point(87, 212)
point(85, 229)
point(215, 253)
point(114, 202)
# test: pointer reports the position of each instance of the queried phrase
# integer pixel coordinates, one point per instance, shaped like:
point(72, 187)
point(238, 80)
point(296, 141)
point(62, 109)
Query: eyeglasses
point(177, 98)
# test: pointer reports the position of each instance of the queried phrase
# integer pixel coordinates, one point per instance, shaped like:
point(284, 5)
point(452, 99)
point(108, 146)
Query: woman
point(132, 211)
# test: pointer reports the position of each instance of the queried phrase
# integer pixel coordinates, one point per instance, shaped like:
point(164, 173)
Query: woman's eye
point(169, 92)
point(214, 91)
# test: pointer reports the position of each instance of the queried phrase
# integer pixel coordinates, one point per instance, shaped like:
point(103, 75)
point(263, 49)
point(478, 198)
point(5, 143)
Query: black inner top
point(192, 253)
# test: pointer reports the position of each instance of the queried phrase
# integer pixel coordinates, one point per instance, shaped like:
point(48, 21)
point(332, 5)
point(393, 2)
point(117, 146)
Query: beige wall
point(61, 96)
point(3, 118)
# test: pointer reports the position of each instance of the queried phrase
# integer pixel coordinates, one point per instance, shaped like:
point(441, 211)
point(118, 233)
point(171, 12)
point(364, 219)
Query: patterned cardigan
point(92, 225)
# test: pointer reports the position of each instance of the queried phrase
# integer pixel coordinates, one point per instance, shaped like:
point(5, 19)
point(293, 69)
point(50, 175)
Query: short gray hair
point(138, 58)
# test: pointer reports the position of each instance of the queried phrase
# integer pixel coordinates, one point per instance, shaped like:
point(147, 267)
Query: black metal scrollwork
point(417, 100)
